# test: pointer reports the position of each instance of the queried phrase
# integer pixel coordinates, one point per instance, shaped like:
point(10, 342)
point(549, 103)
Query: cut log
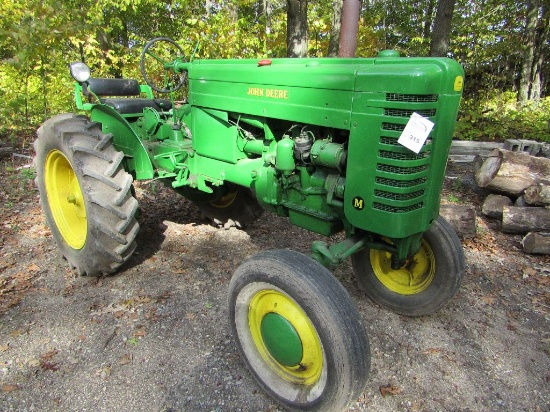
point(6, 151)
point(538, 195)
point(525, 219)
point(520, 202)
point(536, 243)
point(493, 204)
point(511, 172)
point(462, 218)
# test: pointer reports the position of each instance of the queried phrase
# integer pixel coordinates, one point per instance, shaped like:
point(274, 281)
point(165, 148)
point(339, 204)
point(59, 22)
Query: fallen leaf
point(132, 341)
point(49, 366)
point(125, 360)
point(390, 390)
point(140, 333)
point(489, 300)
point(17, 332)
point(49, 355)
point(9, 388)
point(33, 268)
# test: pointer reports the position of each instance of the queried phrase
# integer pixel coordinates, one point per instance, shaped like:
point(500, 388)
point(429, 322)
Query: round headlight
point(80, 72)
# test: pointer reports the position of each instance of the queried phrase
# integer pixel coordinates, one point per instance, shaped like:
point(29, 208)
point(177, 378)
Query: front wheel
point(86, 194)
point(298, 331)
point(424, 284)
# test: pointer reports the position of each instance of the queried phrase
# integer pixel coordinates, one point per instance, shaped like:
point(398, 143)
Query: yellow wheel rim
point(225, 201)
point(417, 274)
point(272, 303)
point(65, 199)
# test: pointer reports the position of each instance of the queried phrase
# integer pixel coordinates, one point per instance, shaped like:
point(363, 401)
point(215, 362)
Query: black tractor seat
point(123, 87)
point(136, 105)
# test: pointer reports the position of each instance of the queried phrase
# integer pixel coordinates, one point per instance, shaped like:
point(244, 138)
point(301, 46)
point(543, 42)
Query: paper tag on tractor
point(416, 132)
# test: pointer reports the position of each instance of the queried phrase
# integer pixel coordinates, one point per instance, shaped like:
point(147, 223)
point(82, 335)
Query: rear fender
point(125, 140)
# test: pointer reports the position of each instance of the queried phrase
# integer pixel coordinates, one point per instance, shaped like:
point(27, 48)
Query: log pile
point(520, 198)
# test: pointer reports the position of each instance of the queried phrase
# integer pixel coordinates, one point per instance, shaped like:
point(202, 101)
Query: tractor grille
point(396, 209)
point(411, 98)
point(408, 112)
point(400, 183)
point(402, 176)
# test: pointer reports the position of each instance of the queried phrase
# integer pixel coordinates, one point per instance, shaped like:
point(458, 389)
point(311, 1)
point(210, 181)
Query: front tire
point(425, 284)
point(298, 331)
point(85, 194)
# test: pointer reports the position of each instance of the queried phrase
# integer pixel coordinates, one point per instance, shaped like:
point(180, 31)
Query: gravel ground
point(155, 337)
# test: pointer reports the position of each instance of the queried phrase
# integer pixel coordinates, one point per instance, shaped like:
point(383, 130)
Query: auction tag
point(416, 132)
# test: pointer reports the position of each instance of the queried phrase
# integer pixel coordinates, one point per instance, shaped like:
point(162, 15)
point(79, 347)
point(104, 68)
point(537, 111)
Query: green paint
point(281, 339)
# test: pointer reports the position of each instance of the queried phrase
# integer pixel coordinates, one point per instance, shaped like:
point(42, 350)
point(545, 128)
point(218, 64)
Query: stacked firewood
point(520, 198)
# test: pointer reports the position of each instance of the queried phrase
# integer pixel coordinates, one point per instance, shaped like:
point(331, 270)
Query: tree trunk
point(6, 152)
point(334, 40)
point(461, 217)
point(543, 37)
point(296, 28)
point(442, 28)
point(525, 219)
point(535, 242)
point(538, 195)
point(511, 172)
point(526, 78)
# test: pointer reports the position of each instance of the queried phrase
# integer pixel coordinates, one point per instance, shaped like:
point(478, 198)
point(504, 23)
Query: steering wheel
point(156, 64)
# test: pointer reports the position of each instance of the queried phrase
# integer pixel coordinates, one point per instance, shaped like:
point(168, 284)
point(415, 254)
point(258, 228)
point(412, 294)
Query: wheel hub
point(285, 337)
point(65, 199)
point(413, 277)
point(281, 339)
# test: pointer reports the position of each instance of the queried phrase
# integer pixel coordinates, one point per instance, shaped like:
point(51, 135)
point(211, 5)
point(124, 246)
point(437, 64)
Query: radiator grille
point(402, 176)
point(400, 183)
point(401, 170)
point(409, 112)
point(396, 209)
point(411, 98)
point(398, 196)
point(393, 126)
point(402, 156)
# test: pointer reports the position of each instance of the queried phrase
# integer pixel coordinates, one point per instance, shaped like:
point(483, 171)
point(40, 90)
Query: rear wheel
point(86, 194)
point(424, 284)
point(298, 331)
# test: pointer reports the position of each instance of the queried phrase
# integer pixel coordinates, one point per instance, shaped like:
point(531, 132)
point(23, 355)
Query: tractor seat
point(123, 87)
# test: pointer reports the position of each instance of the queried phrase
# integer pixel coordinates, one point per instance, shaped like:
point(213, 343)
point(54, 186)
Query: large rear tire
point(86, 194)
point(298, 331)
point(424, 284)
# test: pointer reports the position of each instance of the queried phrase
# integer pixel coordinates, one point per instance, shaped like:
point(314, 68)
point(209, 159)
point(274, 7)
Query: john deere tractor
point(337, 145)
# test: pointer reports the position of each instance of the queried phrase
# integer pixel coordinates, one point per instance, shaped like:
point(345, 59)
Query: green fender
point(125, 140)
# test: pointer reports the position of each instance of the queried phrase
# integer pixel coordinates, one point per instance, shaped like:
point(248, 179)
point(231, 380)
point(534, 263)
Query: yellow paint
point(309, 370)
point(270, 93)
point(459, 83)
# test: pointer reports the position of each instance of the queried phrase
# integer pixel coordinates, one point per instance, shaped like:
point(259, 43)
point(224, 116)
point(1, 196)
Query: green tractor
point(320, 141)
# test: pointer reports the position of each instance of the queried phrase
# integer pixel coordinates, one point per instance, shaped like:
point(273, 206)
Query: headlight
point(80, 71)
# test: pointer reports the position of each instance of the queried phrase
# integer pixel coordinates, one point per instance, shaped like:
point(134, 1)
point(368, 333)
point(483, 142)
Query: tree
point(296, 30)
point(334, 38)
point(441, 33)
point(536, 39)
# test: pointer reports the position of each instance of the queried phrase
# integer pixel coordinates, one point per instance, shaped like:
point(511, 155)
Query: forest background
point(503, 46)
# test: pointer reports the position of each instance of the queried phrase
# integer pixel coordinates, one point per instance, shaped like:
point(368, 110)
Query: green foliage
point(39, 39)
point(500, 117)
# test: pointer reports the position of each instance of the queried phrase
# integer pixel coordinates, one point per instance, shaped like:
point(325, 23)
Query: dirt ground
point(155, 337)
